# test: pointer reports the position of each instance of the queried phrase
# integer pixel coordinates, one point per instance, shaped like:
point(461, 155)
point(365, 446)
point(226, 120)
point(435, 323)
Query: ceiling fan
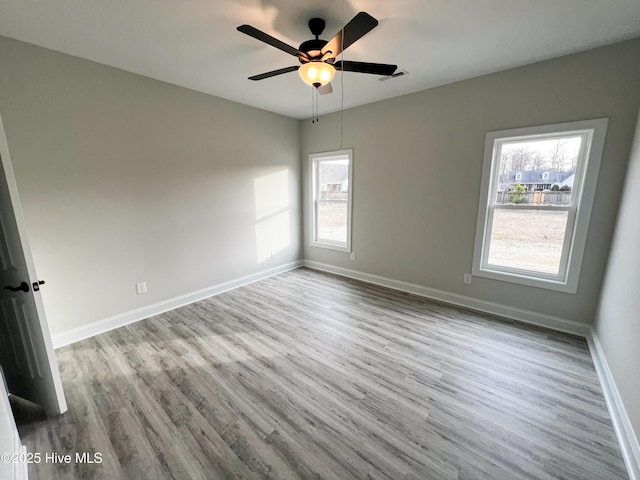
point(317, 56)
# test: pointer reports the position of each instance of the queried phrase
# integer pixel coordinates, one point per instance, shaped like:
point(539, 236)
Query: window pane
point(538, 172)
point(332, 220)
point(527, 240)
point(332, 200)
point(535, 203)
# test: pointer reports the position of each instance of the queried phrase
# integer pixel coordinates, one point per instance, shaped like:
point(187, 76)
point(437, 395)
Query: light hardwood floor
point(308, 375)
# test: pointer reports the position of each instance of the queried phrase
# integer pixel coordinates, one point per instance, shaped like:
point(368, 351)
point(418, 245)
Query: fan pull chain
point(314, 106)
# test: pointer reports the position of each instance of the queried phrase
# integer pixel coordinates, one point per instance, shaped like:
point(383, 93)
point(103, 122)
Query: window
point(526, 233)
point(331, 199)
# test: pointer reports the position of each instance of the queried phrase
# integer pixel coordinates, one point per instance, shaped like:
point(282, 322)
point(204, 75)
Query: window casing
point(331, 198)
point(535, 236)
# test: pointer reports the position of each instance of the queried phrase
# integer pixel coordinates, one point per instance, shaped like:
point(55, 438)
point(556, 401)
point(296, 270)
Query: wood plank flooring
point(311, 376)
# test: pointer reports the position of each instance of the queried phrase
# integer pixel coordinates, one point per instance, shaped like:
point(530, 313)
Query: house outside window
point(528, 232)
point(331, 196)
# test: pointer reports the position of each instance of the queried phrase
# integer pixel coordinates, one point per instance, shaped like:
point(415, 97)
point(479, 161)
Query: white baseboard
point(629, 446)
point(627, 439)
point(80, 333)
point(101, 326)
point(526, 316)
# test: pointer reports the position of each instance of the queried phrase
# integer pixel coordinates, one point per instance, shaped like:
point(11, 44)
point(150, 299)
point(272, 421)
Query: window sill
point(568, 286)
point(330, 246)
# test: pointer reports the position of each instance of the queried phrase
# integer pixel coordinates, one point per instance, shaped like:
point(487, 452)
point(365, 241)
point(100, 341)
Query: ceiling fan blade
point(325, 89)
point(268, 39)
point(273, 73)
point(365, 67)
point(357, 28)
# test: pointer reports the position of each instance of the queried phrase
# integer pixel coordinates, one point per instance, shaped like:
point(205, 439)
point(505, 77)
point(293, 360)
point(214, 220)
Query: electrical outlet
point(467, 278)
point(141, 287)
point(353, 255)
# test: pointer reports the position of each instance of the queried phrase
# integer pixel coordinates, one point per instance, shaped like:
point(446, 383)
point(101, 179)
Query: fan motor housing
point(312, 48)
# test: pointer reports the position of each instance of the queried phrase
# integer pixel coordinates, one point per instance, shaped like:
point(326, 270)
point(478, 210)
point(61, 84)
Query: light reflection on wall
point(273, 233)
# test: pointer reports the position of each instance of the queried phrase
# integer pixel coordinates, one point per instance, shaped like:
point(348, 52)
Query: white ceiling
point(194, 43)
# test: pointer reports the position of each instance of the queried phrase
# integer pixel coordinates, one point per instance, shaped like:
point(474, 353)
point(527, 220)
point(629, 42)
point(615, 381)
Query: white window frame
point(314, 160)
point(578, 212)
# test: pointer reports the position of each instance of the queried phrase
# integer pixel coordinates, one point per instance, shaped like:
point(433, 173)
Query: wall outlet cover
point(141, 287)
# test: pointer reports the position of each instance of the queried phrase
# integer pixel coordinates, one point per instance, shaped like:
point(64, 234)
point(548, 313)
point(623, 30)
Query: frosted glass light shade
point(316, 73)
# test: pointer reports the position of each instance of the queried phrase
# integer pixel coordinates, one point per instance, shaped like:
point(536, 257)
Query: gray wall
point(617, 324)
point(126, 179)
point(418, 161)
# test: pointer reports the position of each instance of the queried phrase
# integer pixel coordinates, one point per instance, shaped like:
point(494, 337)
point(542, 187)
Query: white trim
point(627, 439)
point(10, 439)
point(629, 446)
point(101, 326)
point(314, 159)
point(525, 316)
point(593, 133)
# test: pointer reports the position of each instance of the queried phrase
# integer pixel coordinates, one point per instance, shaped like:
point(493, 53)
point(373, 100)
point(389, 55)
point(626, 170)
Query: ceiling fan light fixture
point(317, 73)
